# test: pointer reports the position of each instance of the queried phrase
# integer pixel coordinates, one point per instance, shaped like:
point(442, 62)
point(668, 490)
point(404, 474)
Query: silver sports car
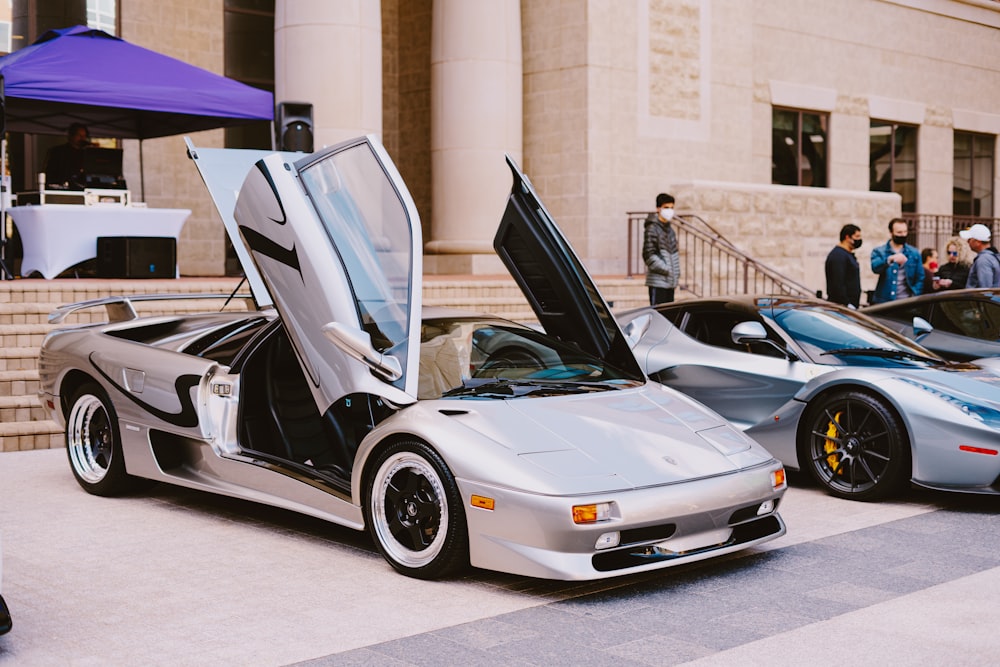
point(453, 438)
point(827, 389)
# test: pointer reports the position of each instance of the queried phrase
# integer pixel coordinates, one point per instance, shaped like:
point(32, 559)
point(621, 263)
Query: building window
point(892, 161)
point(102, 15)
point(798, 147)
point(972, 192)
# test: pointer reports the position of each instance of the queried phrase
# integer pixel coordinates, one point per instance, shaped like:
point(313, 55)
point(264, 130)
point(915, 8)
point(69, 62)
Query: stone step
point(18, 358)
point(21, 409)
point(25, 435)
point(84, 289)
point(19, 383)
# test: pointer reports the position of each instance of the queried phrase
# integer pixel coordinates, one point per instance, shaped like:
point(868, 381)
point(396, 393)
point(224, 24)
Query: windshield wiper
point(885, 352)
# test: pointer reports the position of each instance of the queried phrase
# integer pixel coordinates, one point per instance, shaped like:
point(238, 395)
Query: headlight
point(982, 413)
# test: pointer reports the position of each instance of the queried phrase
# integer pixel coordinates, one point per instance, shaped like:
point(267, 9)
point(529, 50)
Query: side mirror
point(748, 332)
point(745, 333)
point(921, 327)
point(358, 344)
point(636, 328)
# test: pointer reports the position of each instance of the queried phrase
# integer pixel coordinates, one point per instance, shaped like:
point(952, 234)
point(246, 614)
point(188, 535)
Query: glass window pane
point(784, 147)
point(880, 157)
point(961, 197)
point(369, 228)
point(249, 49)
point(813, 162)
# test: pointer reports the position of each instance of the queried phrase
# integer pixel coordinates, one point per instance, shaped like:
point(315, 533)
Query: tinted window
point(968, 318)
point(715, 327)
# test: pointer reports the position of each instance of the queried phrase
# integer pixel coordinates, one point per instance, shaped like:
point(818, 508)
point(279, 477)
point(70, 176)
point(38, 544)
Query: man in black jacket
point(843, 277)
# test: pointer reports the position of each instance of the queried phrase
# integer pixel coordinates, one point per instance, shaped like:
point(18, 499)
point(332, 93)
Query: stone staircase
point(26, 304)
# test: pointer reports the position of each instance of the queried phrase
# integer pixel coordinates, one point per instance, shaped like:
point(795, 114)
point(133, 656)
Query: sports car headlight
point(982, 413)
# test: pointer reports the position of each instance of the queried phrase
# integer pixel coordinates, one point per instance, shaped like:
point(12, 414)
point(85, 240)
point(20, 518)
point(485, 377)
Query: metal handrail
point(711, 265)
point(933, 231)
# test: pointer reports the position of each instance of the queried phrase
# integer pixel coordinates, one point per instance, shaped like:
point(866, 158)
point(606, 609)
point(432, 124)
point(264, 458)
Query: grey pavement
point(178, 577)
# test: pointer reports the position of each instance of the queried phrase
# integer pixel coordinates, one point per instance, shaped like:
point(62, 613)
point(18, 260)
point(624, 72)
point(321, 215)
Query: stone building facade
point(606, 103)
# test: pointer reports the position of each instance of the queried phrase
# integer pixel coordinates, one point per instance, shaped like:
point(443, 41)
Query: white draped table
point(58, 236)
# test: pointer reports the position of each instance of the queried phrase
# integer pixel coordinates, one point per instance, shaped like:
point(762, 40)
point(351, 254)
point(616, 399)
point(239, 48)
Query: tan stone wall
point(683, 90)
point(192, 32)
point(791, 229)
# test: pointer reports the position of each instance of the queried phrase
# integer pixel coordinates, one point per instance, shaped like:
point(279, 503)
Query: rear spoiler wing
point(120, 308)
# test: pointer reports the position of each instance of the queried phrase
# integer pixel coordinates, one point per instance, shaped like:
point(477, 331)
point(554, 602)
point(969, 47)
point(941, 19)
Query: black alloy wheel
point(857, 446)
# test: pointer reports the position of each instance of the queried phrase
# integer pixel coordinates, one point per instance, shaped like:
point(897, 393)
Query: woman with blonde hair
point(954, 273)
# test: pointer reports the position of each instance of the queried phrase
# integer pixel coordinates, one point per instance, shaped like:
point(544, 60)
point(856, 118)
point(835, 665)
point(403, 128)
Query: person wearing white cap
point(985, 271)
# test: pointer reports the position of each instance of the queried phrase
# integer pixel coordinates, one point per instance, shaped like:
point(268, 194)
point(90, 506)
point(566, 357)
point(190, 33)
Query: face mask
point(857, 243)
point(933, 266)
point(899, 240)
point(667, 214)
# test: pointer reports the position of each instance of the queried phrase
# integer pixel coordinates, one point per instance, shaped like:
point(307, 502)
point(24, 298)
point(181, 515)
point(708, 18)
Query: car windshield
point(475, 358)
point(842, 337)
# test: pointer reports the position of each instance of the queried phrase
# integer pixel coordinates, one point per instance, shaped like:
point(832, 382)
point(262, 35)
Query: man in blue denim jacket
point(900, 271)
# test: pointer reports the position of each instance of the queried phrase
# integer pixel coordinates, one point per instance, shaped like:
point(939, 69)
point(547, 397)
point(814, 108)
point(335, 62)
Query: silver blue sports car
point(828, 390)
point(453, 438)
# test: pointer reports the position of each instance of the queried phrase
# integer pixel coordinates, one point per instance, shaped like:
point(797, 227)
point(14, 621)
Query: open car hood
point(554, 281)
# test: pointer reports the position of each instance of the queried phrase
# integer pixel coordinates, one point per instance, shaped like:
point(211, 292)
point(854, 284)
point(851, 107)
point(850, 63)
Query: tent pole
point(4, 195)
point(142, 175)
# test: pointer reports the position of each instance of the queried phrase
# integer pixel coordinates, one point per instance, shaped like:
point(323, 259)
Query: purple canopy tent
point(117, 89)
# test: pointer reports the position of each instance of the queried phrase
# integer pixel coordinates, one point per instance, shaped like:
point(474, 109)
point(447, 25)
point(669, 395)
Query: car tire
point(93, 443)
point(414, 512)
point(856, 446)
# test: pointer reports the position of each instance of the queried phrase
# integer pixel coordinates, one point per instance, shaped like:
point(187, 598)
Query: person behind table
point(843, 276)
point(898, 266)
point(954, 272)
point(64, 163)
point(985, 271)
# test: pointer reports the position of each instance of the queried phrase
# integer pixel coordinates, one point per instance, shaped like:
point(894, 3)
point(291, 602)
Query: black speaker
point(293, 126)
point(136, 257)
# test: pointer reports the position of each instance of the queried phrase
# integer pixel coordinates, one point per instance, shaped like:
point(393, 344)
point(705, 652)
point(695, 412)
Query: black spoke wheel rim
point(851, 446)
point(409, 510)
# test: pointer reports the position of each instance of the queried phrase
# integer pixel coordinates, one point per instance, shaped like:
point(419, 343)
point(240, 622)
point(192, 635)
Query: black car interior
point(279, 418)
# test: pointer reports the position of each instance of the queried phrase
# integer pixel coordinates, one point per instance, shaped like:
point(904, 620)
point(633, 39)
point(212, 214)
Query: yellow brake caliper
point(830, 447)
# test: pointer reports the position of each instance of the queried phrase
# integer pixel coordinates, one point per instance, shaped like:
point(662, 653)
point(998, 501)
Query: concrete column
point(476, 114)
point(330, 55)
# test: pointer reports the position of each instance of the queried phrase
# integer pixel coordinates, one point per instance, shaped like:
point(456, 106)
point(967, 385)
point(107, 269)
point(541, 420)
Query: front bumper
point(657, 527)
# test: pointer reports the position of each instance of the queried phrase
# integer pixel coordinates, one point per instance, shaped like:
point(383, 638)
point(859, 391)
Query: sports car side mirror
point(921, 327)
point(358, 344)
point(636, 328)
point(745, 333)
point(748, 332)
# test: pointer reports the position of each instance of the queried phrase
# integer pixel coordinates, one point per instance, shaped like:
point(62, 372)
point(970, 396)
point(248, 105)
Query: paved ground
point(181, 578)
